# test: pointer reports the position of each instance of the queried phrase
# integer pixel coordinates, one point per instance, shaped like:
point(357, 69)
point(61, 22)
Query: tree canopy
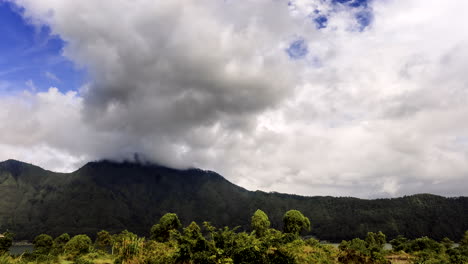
point(161, 231)
point(43, 244)
point(78, 245)
point(260, 223)
point(295, 222)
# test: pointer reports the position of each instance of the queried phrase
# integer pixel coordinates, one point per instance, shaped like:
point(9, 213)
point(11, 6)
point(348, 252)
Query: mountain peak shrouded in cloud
point(348, 98)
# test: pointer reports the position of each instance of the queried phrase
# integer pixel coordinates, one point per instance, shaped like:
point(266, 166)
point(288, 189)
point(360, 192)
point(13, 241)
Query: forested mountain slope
point(116, 196)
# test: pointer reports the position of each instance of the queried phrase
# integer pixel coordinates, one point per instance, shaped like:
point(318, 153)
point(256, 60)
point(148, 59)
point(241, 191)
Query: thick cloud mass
point(375, 105)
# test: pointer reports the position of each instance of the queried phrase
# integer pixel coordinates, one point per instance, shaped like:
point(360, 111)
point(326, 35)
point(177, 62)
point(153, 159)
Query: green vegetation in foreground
point(170, 243)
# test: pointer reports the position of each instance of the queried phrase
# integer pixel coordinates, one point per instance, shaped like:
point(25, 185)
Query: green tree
point(294, 222)
point(447, 243)
point(103, 240)
point(117, 240)
point(260, 223)
point(192, 245)
point(6, 240)
point(167, 223)
point(375, 244)
point(358, 251)
point(129, 248)
point(376, 241)
point(59, 244)
point(464, 240)
point(425, 243)
point(400, 243)
point(78, 245)
point(43, 244)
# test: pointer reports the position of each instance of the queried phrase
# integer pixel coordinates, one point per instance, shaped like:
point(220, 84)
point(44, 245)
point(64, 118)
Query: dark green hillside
point(117, 196)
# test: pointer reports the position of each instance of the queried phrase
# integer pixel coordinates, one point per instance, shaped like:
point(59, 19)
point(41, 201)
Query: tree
point(129, 248)
point(78, 245)
point(192, 245)
point(425, 243)
point(103, 240)
point(59, 244)
point(260, 223)
point(464, 240)
point(376, 241)
point(6, 240)
point(294, 222)
point(447, 243)
point(161, 231)
point(354, 251)
point(400, 243)
point(118, 240)
point(43, 244)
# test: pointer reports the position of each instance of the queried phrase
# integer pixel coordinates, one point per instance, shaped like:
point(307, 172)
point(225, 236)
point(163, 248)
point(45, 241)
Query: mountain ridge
point(149, 164)
point(124, 195)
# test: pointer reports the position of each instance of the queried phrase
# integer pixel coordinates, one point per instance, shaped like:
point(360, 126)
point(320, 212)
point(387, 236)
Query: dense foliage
point(260, 223)
point(6, 241)
point(172, 244)
point(294, 222)
point(117, 196)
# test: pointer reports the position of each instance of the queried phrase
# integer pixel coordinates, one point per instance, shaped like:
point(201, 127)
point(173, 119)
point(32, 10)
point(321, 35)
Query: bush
point(158, 253)
point(43, 244)
point(59, 244)
point(425, 244)
point(78, 245)
point(294, 222)
point(360, 251)
point(128, 247)
point(5, 242)
point(103, 240)
point(400, 243)
point(250, 254)
point(260, 223)
point(161, 231)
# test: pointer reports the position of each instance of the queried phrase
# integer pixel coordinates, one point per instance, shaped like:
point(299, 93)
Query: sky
point(363, 98)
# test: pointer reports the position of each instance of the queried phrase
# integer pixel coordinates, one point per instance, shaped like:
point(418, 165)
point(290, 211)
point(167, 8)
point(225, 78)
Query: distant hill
point(117, 196)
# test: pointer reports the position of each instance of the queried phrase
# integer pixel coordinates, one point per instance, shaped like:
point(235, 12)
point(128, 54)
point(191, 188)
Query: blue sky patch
point(298, 49)
point(31, 57)
point(364, 18)
point(321, 22)
point(352, 3)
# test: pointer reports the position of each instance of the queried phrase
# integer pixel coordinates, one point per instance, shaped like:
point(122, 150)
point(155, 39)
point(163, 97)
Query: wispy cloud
point(10, 71)
point(52, 77)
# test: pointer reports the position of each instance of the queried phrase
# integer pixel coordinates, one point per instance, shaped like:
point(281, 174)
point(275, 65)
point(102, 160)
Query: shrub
point(294, 222)
point(129, 247)
point(78, 245)
point(103, 240)
point(260, 223)
point(161, 231)
point(59, 244)
point(158, 253)
point(43, 244)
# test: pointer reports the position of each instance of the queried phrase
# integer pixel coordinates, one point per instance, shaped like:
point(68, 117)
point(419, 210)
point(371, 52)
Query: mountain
point(117, 196)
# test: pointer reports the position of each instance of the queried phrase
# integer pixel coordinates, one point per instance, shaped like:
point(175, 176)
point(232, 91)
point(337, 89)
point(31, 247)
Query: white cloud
point(374, 113)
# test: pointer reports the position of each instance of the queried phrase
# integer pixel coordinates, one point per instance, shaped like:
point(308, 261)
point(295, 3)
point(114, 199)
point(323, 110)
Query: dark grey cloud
point(375, 112)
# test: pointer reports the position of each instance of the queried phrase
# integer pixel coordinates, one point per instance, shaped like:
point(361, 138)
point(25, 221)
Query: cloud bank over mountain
point(347, 98)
